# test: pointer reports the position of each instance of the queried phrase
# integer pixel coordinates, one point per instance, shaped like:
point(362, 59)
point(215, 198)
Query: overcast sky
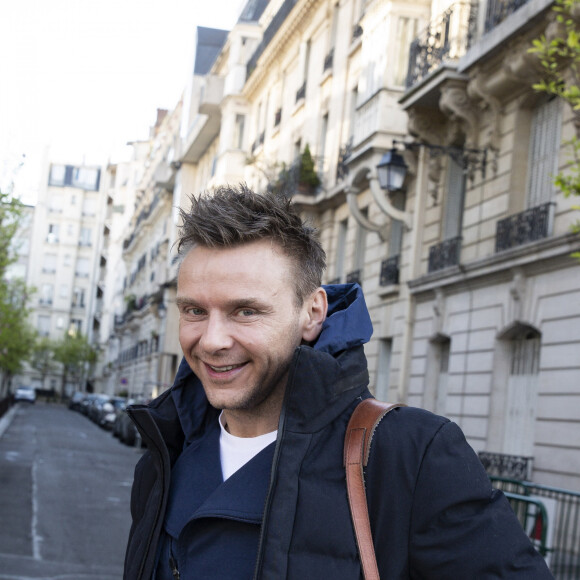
point(85, 76)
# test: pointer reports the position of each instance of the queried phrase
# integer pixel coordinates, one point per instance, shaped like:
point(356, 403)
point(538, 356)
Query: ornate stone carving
point(456, 104)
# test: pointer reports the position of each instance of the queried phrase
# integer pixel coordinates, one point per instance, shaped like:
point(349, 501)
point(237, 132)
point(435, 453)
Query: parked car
point(25, 394)
point(75, 403)
point(124, 428)
point(108, 412)
point(96, 407)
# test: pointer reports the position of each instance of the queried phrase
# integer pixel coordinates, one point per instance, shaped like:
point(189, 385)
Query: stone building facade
point(466, 269)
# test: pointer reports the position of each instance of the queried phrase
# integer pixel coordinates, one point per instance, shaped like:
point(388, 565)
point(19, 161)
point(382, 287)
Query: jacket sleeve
point(460, 526)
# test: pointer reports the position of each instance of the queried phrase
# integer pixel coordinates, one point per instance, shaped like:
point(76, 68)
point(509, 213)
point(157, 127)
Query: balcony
point(444, 255)
point(389, 271)
point(501, 465)
point(212, 95)
point(445, 40)
point(523, 228)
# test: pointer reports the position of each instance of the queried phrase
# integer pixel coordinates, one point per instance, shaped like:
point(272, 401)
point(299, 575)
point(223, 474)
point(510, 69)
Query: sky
point(81, 78)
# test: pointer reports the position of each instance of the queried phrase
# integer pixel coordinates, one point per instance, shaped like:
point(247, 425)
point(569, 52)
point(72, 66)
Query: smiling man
point(243, 475)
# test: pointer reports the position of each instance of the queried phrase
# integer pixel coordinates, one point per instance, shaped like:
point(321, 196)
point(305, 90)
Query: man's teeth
point(223, 369)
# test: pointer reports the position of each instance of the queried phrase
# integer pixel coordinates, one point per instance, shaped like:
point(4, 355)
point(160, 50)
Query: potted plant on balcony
point(308, 179)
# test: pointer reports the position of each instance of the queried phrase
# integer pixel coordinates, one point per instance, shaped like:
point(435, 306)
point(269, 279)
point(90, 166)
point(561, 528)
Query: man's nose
point(216, 334)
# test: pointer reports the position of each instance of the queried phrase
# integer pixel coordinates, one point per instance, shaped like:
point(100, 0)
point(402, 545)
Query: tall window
point(323, 136)
point(89, 206)
point(49, 264)
point(239, 131)
point(53, 233)
point(384, 369)
point(79, 297)
point(406, 32)
point(43, 325)
point(455, 200)
point(85, 237)
point(341, 249)
point(543, 152)
point(82, 268)
point(46, 294)
point(522, 392)
point(396, 236)
point(443, 348)
point(360, 244)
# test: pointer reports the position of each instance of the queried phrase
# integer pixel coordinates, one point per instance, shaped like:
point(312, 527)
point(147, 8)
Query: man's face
point(239, 325)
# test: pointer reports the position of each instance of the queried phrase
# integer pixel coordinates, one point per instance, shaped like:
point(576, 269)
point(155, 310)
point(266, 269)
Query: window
point(407, 31)
point(323, 136)
point(239, 131)
point(46, 294)
point(341, 249)
point(85, 237)
point(360, 243)
point(75, 327)
point(55, 203)
point(352, 117)
point(78, 297)
point(53, 231)
point(543, 152)
point(43, 325)
point(89, 207)
point(396, 235)
point(455, 199)
point(442, 348)
point(49, 264)
point(384, 369)
point(63, 293)
point(82, 268)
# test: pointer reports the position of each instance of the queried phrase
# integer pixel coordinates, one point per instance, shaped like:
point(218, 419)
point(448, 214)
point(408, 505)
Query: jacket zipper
point(150, 537)
point(275, 462)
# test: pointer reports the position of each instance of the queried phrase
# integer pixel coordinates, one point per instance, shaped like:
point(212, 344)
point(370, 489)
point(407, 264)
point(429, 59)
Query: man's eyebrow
point(233, 303)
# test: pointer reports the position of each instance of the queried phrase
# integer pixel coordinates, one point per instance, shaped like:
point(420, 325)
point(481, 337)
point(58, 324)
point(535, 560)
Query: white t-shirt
point(237, 451)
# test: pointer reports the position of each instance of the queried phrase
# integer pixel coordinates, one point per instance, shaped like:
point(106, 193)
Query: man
point(243, 475)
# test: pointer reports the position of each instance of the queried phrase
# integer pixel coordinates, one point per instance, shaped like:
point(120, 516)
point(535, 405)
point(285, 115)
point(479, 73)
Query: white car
point(27, 394)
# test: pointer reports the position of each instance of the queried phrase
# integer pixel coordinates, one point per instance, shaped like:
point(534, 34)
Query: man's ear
point(315, 308)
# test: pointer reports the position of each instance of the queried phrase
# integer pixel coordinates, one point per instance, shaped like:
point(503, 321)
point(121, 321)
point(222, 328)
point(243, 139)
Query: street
point(64, 496)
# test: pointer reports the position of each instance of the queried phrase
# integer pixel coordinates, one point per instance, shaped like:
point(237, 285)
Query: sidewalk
point(7, 419)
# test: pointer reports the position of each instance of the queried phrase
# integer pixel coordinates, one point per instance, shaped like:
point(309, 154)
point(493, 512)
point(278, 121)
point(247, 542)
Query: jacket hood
point(320, 373)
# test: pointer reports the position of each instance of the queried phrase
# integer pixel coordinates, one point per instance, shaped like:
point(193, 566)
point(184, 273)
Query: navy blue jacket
point(433, 512)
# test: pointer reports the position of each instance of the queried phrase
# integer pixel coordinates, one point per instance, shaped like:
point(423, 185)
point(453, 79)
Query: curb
point(7, 419)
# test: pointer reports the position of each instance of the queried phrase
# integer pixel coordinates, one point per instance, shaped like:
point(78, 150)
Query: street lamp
point(392, 171)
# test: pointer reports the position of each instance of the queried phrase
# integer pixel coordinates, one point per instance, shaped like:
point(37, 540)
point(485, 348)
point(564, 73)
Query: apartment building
point(465, 262)
point(64, 257)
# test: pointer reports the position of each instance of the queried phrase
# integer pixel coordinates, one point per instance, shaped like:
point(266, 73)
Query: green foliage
point(560, 62)
point(308, 175)
point(16, 334)
point(74, 352)
point(42, 359)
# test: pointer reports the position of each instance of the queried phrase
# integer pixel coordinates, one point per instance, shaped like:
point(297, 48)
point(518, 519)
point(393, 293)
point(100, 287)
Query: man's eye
point(194, 311)
point(247, 312)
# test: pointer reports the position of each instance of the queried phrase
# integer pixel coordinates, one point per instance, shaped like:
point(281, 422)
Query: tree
point(559, 54)
point(42, 359)
point(75, 353)
point(16, 334)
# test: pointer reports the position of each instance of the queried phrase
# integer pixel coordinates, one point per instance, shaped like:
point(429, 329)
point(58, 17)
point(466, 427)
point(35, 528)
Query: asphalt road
point(64, 497)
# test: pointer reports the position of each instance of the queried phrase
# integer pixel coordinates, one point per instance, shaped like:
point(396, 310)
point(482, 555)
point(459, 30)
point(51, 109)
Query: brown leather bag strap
point(357, 445)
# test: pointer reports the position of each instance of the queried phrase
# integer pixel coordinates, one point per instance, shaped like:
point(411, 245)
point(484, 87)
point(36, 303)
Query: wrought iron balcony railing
point(525, 227)
point(446, 39)
point(343, 157)
point(445, 254)
point(354, 277)
point(389, 271)
point(502, 465)
point(498, 10)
